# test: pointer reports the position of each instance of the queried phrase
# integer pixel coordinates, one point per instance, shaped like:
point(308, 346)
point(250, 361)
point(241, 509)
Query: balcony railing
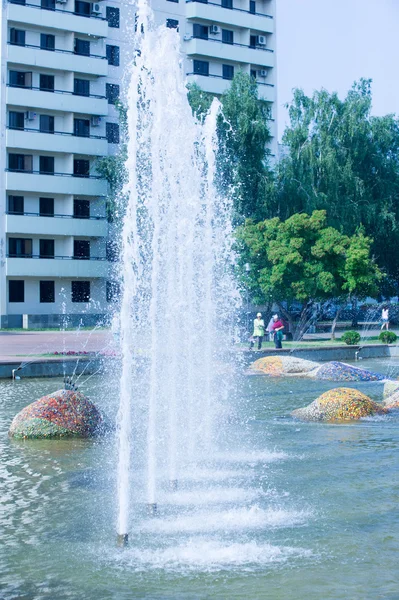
point(225, 78)
point(31, 87)
point(57, 50)
point(54, 174)
point(29, 129)
point(59, 10)
point(56, 257)
point(208, 39)
point(55, 216)
point(257, 14)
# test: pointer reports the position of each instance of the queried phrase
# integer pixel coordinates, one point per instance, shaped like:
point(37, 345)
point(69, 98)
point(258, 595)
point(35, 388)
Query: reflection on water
point(283, 510)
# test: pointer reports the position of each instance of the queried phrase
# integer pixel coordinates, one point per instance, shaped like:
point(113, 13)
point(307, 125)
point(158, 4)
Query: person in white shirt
point(385, 318)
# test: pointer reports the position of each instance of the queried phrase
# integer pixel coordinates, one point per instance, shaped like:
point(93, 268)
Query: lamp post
point(247, 271)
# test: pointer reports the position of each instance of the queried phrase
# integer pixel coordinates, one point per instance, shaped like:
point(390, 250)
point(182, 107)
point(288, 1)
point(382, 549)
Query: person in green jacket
point(259, 331)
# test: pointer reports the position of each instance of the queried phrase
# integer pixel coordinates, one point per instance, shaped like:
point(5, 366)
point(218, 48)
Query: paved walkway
point(25, 345)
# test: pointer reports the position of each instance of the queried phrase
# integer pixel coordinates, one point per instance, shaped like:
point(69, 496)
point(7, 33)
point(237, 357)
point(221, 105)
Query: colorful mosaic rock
point(275, 366)
point(66, 413)
point(338, 371)
point(340, 404)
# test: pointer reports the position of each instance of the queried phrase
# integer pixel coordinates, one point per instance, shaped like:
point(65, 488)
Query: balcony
point(59, 183)
point(63, 20)
point(231, 52)
point(34, 224)
point(215, 84)
point(215, 13)
point(62, 60)
point(32, 139)
point(59, 266)
point(59, 100)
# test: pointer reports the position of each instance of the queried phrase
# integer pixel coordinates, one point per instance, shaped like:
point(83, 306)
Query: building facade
point(60, 76)
point(62, 68)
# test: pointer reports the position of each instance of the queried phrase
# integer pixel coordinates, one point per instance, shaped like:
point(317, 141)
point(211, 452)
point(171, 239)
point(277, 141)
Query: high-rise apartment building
point(60, 76)
point(62, 67)
point(222, 37)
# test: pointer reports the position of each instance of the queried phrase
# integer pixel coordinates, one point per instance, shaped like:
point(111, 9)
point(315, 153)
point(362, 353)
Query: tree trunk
point(334, 323)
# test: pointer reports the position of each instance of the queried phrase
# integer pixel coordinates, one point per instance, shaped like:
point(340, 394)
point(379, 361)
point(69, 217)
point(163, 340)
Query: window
point(16, 120)
point(81, 167)
point(46, 248)
point(111, 92)
point(46, 207)
point(81, 87)
point(47, 291)
point(47, 83)
point(174, 1)
point(252, 7)
point(46, 165)
point(16, 289)
point(82, 8)
point(81, 249)
point(227, 36)
point(16, 205)
point(20, 79)
point(112, 53)
point(20, 162)
point(172, 24)
point(253, 72)
point(200, 31)
point(81, 209)
point(112, 16)
point(82, 47)
point(80, 291)
point(228, 72)
point(112, 291)
point(17, 37)
point(48, 4)
point(201, 67)
point(227, 3)
point(20, 247)
point(112, 133)
point(81, 127)
point(22, 2)
point(46, 124)
point(252, 41)
point(47, 41)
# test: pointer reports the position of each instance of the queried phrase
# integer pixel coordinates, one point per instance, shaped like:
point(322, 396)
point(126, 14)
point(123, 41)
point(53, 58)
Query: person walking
point(277, 328)
point(259, 331)
point(385, 318)
point(269, 329)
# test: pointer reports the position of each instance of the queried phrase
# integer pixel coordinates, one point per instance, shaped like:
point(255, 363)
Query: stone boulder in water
point(392, 402)
point(338, 371)
point(341, 404)
point(276, 366)
point(66, 413)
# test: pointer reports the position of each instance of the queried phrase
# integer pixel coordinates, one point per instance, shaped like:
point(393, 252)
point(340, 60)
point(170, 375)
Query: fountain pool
point(281, 510)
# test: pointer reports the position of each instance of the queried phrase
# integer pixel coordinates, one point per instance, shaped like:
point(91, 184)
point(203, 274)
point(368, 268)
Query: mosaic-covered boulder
point(340, 404)
point(339, 371)
point(276, 366)
point(66, 413)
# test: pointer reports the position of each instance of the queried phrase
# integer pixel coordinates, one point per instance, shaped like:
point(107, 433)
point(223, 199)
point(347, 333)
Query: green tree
point(243, 158)
point(342, 159)
point(303, 260)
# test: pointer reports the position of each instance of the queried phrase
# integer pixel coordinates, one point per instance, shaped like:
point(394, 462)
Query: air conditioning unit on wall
point(263, 73)
point(261, 40)
point(30, 115)
point(214, 29)
point(96, 9)
point(95, 121)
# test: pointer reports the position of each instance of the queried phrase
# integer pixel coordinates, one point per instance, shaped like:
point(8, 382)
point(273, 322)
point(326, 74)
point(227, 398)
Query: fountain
point(178, 292)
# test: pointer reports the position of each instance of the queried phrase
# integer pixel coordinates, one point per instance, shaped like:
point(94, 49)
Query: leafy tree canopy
point(342, 159)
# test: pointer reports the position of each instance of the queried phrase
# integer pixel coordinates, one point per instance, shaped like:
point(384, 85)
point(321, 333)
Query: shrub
point(351, 338)
point(387, 337)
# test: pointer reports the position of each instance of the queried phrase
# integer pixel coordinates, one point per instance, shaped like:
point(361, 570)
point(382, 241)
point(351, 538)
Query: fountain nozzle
point(152, 509)
point(122, 540)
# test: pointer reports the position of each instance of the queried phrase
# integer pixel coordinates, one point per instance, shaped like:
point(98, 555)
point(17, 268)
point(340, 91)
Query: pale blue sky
point(330, 43)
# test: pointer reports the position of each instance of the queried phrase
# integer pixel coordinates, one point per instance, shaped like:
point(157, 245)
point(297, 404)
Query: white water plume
point(178, 291)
